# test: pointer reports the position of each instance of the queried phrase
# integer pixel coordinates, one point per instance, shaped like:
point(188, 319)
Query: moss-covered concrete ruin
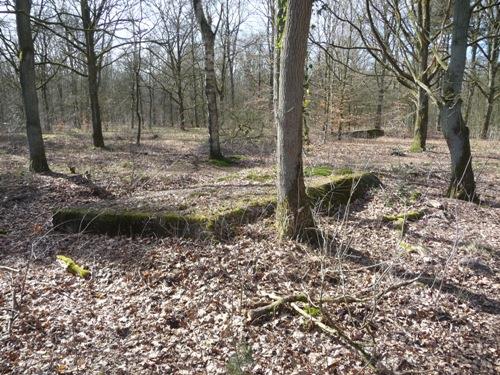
point(325, 193)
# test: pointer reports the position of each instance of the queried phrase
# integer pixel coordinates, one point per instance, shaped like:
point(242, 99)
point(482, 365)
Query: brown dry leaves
point(178, 306)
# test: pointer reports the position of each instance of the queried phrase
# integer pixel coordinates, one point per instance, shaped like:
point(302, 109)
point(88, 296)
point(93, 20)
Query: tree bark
point(279, 21)
point(422, 118)
point(38, 160)
point(421, 121)
point(456, 133)
point(293, 214)
point(492, 57)
point(208, 37)
point(92, 72)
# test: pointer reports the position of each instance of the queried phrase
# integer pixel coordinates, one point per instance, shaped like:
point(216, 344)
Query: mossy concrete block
point(341, 189)
point(165, 224)
point(240, 213)
point(366, 134)
point(128, 223)
point(219, 222)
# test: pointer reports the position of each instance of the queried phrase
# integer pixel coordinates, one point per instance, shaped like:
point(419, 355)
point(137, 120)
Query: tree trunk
point(293, 214)
point(195, 84)
point(380, 99)
point(208, 37)
point(423, 40)
point(46, 107)
point(489, 110)
point(92, 72)
point(421, 121)
point(38, 160)
point(180, 99)
point(456, 133)
point(280, 17)
point(493, 54)
point(472, 84)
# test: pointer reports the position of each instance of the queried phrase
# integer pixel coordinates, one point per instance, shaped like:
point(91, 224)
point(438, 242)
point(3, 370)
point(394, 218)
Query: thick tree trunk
point(272, 48)
point(279, 21)
point(293, 214)
point(208, 37)
point(38, 160)
point(422, 118)
point(421, 121)
point(92, 72)
point(456, 133)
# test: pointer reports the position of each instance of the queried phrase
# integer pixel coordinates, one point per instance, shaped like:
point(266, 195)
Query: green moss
point(340, 189)
point(415, 147)
point(407, 247)
point(3, 232)
point(343, 171)
point(72, 267)
point(128, 223)
point(408, 216)
point(320, 170)
point(312, 310)
point(259, 177)
point(415, 196)
point(225, 218)
point(228, 177)
point(225, 162)
point(399, 224)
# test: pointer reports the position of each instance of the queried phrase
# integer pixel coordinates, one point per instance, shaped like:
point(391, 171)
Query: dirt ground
point(173, 305)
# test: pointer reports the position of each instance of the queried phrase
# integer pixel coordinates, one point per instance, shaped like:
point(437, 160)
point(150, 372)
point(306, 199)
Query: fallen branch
point(5, 268)
point(337, 332)
point(275, 306)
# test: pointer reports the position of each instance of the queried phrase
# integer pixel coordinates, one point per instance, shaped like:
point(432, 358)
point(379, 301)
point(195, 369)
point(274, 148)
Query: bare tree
point(38, 160)
point(456, 133)
point(293, 215)
point(491, 53)
point(208, 36)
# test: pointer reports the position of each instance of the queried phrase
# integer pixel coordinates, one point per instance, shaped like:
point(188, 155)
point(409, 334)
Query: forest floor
point(173, 305)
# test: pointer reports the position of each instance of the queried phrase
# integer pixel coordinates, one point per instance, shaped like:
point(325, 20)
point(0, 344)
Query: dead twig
point(5, 268)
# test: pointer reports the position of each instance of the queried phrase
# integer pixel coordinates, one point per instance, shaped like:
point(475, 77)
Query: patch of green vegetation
point(312, 310)
point(320, 170)
point(129, 223)
point(226, 161)
point(407, 247)
point(259, 177)
point(416, 146)
point(127, 164)
point(240, 360)
point(415, 196)
point(3, 232)
point(343, 171)
point(407, 216)
point(228, 177)
point(340, 189)
point(72, 267)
